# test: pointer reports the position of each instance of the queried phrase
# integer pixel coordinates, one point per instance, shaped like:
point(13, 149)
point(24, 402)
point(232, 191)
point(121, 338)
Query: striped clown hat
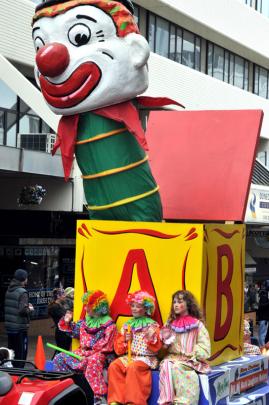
point(121, 11)
point(144, 298)
point(96, 301)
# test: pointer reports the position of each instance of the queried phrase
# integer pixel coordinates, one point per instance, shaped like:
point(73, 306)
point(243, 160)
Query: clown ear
point(139, 49)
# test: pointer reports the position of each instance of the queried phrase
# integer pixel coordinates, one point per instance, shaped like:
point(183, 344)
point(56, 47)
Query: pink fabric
point(184, 323)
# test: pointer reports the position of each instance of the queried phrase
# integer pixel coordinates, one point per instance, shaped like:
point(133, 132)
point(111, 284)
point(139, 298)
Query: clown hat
point(127, 3)
point(96, 301)
point(143, 298)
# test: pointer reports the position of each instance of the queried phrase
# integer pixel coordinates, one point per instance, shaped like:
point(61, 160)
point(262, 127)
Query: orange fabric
point(129, 385)
point(155, 347)
point(120, 346)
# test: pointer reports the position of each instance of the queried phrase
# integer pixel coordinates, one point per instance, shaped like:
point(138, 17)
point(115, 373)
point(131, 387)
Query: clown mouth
point(75, 89)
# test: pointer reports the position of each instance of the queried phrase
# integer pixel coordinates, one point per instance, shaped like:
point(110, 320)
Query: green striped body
point(109, 153)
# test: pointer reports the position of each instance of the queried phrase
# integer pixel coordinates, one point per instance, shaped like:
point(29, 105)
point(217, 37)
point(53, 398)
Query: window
point(137, 14)
point(262, 156)
point(173, 42)
point(262, 6)
point(162, 37)
point(8, 99)
point(226, 66)
point(16, 117)
point(260, 81)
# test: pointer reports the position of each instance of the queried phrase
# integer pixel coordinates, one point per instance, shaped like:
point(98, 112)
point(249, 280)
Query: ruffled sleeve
point(154, 342)
point(202, 348)
point(120, 346)
point(72, 329)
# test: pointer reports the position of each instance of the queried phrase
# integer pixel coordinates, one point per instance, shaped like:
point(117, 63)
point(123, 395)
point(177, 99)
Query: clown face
point(82, 64)
point(137, 310)
point(180, 306)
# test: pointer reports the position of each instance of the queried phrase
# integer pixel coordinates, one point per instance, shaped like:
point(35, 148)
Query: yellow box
point(207, 259)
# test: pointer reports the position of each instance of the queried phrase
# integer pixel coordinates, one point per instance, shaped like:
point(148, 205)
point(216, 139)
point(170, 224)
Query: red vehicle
point(21, 386)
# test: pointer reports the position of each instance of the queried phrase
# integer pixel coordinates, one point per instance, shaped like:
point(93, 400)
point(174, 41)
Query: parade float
point(174, 224)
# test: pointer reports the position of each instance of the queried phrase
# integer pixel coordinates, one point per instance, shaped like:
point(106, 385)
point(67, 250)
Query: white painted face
point(82, 64)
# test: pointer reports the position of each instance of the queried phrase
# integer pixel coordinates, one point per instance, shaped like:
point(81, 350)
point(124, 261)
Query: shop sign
point(40, 298)
point(258, 205)
point(246, 377)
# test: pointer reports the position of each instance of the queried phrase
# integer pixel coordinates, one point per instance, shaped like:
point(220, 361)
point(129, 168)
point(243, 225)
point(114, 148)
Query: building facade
point(206, 55)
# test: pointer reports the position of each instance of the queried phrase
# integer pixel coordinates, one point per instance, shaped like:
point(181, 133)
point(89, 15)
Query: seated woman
point(188, 346)
point(96, 334)
point(129, 377)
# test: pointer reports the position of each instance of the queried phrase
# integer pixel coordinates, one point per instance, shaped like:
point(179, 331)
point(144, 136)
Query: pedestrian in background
point(17, 316)
point(68, 299)
point(263, 313)
point(56, 311)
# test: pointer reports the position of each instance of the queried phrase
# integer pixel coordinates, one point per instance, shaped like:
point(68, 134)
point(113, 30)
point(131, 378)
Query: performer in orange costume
point(129, 379)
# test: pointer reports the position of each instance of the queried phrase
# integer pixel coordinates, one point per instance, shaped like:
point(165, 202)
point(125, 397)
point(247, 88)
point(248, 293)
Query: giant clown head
point(89, 54)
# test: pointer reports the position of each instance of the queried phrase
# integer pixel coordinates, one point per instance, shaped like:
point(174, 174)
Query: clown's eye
point(79, 34)
point(38, 42)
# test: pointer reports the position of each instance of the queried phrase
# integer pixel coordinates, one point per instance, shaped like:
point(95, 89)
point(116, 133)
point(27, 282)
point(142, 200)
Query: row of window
point(182, 46)
point(262, 6)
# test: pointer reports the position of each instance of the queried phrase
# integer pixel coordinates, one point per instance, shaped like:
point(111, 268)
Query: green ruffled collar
point(139, 323)
point(96, 323)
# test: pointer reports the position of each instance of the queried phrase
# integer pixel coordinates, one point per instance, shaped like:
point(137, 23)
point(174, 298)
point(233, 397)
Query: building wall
point(16, 31)
point(217, 21)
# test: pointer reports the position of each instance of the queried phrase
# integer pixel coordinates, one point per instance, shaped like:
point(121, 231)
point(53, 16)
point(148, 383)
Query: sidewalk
point(32, 346)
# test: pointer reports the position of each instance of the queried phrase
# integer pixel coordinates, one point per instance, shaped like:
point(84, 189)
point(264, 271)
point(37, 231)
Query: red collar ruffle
point(184, 323)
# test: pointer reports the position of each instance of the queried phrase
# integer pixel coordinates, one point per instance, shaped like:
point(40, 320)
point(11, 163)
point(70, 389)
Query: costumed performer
point(249, 348)
point(129, 377)
point(188, 347)
point(96, 334)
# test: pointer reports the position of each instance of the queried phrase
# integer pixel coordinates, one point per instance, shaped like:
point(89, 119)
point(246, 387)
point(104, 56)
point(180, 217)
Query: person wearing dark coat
point(17, 316)
point(263, 314)
point(56, 311)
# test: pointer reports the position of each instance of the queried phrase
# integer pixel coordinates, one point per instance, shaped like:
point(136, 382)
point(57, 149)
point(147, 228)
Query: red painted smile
point(75, 89)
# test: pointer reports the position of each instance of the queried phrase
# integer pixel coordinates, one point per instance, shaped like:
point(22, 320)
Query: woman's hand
point(166, 333)
point(68, 316)
point(150, 333)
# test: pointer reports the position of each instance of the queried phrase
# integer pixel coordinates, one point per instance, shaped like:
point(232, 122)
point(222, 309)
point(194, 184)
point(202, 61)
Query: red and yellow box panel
point(207, 259)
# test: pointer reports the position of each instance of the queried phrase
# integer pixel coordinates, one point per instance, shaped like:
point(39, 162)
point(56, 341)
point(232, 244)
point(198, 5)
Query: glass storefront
point(17, 120)
point(47, 266)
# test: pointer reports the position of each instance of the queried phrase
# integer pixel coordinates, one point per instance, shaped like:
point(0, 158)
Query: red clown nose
point(52, 59)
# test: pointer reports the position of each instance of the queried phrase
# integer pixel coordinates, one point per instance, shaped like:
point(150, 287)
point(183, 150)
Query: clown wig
point(96, 302)
point(144, 298)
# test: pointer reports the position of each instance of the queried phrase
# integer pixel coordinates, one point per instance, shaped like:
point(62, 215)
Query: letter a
point(119, 306)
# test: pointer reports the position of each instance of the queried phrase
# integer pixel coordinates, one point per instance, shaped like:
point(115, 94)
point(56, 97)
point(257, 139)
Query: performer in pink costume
point(96, 334)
